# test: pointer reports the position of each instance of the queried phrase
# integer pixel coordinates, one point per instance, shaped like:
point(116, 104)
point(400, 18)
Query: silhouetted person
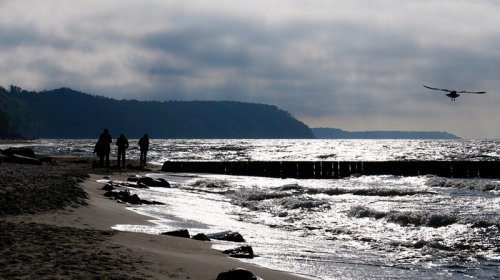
point(122, 144)
point(144, 146)
point(99, 149)
point(102, 147)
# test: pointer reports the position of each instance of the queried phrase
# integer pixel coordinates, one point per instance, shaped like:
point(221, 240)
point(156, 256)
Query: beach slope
point(57, 224)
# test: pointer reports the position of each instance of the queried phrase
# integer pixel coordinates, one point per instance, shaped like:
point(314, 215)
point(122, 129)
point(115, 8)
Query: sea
point(361, 227)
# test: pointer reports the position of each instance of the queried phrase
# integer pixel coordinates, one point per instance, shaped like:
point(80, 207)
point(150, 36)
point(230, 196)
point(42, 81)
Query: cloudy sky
point(354, 65)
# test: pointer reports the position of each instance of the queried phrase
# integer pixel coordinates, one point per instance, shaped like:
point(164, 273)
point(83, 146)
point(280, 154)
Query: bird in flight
point(453, 93)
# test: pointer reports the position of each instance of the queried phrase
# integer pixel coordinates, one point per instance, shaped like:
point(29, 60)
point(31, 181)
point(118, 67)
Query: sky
point(354, 65)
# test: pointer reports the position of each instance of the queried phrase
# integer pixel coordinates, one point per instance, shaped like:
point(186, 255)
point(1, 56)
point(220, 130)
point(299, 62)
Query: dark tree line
point(5, 130)
point(4, 123)
point(65, 113)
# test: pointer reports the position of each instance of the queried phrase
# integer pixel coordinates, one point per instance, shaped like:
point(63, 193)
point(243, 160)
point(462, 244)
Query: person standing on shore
point(99, 151)
point(144, 146)
point(122, 144)
point(103, 148)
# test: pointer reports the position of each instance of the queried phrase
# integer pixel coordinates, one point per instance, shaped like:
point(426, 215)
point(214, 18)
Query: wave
point(427, 219)
point(297, 189)
point(277, 200)
point(292, 187)
point(471, 184)
point(422, 244)
point(210, 186)
point(429, 246)
point(293, 196)
point(365, 212)
point(421, 219)
point(384, 192)
point(305, 204)
point(255, 194)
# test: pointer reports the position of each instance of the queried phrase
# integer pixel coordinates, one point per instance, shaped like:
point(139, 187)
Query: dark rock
point(144, 182)
point(162, 183)
point(110, 194)
point(22, 151)
point(184, 233)
point(243, 252)
point(124, 196)
point(151, 202)
point(201, 237)
point(133, 199)
point(237, 274)
point(133, 178)
point(22, 160)
point(140, 185)
point(148, 181)
point(227, 236)
point(108, 187)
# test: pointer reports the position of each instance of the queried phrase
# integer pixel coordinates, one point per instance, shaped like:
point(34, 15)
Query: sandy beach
point(56, 224)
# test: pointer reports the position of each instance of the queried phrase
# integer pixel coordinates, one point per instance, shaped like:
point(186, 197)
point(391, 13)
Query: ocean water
point(367, 227)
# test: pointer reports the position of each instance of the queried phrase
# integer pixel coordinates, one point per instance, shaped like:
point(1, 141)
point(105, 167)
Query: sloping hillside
point(65, 113)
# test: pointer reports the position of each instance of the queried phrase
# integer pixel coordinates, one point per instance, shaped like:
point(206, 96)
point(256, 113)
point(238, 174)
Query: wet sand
point(56, 224)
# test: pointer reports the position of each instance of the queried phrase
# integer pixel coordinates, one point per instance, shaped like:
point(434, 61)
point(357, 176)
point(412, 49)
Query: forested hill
point(65, 113)
point(4, 124)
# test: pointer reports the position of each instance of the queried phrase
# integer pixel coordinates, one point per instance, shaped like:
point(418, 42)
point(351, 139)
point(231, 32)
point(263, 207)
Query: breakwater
point(338, 169)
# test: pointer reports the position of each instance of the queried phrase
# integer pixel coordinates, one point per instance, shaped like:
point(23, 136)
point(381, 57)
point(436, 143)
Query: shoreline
point(86, 229)
point(20, 141)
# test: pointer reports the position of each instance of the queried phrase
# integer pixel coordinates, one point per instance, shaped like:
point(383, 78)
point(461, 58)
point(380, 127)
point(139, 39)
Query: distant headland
point(335, 133)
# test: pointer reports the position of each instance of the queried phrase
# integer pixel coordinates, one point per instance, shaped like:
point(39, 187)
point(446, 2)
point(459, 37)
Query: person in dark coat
point(102, 147)
point(122, 144)
point(99, 150)
point(144, 147)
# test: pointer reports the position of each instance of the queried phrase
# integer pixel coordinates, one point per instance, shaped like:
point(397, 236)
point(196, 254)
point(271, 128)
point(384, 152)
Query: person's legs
point(123, 159)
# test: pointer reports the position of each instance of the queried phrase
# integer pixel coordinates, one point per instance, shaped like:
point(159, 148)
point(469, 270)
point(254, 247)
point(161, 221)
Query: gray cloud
point(21, 37)
point(343, 64)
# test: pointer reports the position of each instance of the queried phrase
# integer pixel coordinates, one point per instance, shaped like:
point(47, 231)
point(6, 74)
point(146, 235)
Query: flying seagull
point(453, 93)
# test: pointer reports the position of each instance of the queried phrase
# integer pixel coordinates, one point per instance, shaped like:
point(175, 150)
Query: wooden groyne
point(338, 169)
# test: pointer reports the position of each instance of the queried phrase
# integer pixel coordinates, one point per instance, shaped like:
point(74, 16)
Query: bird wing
point(474, 92)
point(442, 89)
